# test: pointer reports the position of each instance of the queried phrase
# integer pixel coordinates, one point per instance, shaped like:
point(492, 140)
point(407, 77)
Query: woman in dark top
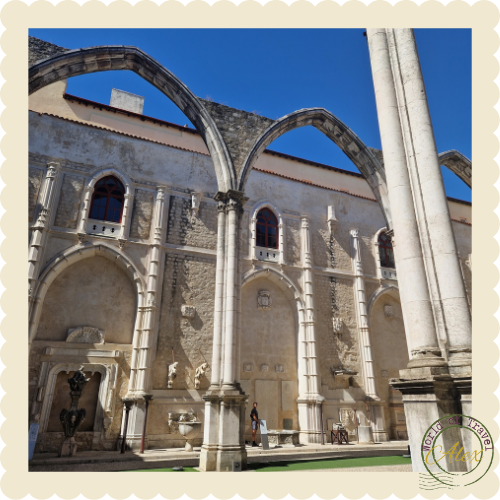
point(254, 416)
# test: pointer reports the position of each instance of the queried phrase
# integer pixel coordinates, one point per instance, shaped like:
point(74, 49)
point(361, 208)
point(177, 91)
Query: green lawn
point(334, 463)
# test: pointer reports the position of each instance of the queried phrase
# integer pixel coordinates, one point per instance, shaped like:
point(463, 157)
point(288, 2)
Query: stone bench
point(283, 438)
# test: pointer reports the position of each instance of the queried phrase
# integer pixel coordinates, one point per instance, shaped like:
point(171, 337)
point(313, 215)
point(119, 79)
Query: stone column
point(376, 409)
point(223, 441)
point(40, 229)
point(414, 293)
point(143, 356)
point(308, 405)
point(364, 331)
point(423, 261)
point(428, 188)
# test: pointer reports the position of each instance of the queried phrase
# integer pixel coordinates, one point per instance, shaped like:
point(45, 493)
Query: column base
point(223, 446)
point(429, 394)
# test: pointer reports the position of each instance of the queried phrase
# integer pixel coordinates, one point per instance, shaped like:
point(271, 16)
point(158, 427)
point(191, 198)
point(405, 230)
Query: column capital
point(53, 169)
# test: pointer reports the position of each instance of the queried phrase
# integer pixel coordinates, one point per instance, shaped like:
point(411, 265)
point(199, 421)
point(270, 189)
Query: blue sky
point(277, 71)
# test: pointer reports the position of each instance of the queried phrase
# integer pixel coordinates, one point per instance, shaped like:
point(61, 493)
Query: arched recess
point(458, 164)
point(119, 57)
point(295, 298)
point(75, 254)
point(371, 169)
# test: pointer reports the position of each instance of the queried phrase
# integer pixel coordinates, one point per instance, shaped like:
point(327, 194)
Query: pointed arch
point(371, 169)
point(119, 57)
point(379, 293)
point(458, 164)
point(75, 254)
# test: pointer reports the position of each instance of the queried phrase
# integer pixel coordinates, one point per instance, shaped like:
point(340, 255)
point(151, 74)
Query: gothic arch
point(377, 294)
point(371, 169)
point(70, 256)
point(458, 164)
point(119, 57)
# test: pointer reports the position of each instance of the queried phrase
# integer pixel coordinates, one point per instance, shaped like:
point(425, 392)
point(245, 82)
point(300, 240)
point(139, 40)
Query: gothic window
point(267, 229)
point(107, 202)
point(385, 250)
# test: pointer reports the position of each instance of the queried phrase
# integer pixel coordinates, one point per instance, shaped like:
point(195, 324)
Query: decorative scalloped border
point(17, 17)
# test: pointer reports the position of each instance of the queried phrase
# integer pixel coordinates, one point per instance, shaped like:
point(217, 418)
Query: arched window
point(107, 202)
point(267, 229)
point(385, 251)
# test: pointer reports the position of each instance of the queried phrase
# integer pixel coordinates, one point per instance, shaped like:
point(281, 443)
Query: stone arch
point(118, 57)
point(75, 254)
point(458, 164)
point(378, 293)
point(371, 169)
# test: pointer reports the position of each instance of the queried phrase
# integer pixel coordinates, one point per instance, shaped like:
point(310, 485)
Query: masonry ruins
point(199, 268)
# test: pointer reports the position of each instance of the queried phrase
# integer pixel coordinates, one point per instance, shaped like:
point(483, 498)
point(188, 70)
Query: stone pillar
point(223, 440)
point(309, 404)
point(414, 293)
point(364, 331)
point(428, 188)
point(39, 237)
point(40, 229)
point(376, 410)
point(431, 288)
point(145, 339)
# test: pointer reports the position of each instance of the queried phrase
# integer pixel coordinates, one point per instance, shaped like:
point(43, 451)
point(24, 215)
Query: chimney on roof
point(127, 101)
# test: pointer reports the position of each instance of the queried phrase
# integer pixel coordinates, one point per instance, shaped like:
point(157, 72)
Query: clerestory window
point(107, 201)
point(386, 251)
point(267, 229)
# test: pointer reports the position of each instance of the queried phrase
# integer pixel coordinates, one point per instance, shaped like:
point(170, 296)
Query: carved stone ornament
point(248, 367)
point(264, 300)
point(279, 368)
point(347, 419)
point(85, 335)
point(388, 311)
point(264, 368)
point(188, 311)
point(195, 204)
point(338, 325)
point(172, 374)
point(199, 374)
point(72, 418)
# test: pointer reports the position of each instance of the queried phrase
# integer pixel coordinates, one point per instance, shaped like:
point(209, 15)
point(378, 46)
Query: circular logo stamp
point(457, 450)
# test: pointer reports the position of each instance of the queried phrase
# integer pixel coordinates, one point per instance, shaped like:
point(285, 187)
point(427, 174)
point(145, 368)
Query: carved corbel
point(332, 220)
point(195, 204)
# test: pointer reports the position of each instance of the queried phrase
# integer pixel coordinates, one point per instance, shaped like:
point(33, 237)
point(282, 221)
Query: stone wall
point(69, 202)
point(199, 231)
point(188, 280)
point(292, 231)
point(142, 214)
point(35, 176)
point(40, 49)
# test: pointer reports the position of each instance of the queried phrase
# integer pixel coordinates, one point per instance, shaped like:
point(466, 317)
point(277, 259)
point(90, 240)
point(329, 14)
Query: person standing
point(254, 416)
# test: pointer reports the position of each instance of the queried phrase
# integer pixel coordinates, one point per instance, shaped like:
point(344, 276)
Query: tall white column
point(41, 228)
point(234, 211)
point(219, 296)
point(434, 218)
point(308, 404)
point(364, 331)
point(147, 345)
point(414, 293)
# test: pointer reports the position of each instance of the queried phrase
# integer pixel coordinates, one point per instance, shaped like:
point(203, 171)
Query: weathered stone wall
point(200, 231)
point(91, 292)
point(142, 214)
point(35, 176)
point(239, 129)
point(334, 297)
point(39, 49)
point(292, 231)
point(187, 281)
point(69, 202)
